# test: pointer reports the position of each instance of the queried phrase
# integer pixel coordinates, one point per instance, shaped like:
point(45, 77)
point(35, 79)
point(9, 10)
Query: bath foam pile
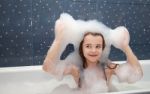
point(74, 30)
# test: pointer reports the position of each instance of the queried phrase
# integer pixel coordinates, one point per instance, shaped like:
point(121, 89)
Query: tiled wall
point(27, 26)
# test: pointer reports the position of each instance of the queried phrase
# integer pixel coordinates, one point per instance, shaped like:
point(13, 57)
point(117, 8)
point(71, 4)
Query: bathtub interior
point(32, 80)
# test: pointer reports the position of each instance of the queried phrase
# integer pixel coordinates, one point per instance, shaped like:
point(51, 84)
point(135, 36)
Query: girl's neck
point(91, 65)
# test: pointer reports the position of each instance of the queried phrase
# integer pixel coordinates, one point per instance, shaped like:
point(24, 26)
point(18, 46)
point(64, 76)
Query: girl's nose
point(93, 49)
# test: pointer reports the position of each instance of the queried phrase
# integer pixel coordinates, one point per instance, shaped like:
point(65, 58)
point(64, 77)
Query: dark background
point(27, 26)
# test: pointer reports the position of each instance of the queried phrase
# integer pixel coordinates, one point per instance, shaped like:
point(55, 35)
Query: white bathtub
point(32, 80)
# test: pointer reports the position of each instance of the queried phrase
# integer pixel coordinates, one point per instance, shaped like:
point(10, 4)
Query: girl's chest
point(94, 76)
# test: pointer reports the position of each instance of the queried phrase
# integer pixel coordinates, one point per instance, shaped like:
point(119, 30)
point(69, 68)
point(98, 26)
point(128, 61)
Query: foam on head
point(75, 29)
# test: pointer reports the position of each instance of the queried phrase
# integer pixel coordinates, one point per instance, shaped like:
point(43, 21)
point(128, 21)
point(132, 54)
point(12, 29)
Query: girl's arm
point(53, 53)
point(52, 56)
point(132, 59)
point(52, 64)
point(132, 70)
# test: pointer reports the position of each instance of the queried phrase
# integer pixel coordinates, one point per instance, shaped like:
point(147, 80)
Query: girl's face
point(92, 48)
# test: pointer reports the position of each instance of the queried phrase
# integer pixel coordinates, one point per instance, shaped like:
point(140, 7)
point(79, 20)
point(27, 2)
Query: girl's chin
point(93, 61)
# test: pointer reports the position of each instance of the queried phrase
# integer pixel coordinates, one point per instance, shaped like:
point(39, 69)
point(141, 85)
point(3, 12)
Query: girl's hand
point(120, 38)
point(59, 27)
point(75, 73)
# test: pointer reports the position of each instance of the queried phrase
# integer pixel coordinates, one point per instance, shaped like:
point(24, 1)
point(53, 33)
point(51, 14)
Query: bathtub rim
point(39, 67)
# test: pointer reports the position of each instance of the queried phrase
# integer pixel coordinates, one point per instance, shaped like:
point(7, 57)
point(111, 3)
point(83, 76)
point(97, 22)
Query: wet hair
point(81, 48)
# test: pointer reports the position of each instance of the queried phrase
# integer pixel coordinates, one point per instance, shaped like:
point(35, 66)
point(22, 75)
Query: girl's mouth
point(93, 55)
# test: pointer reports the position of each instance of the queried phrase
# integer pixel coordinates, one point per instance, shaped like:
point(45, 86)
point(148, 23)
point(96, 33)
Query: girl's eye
point(98, 46)
point(88, 46)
